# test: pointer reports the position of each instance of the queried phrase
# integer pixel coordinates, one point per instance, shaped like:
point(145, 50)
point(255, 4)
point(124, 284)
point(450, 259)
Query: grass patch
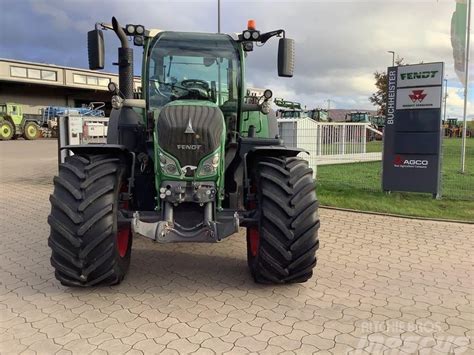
point(358, 186)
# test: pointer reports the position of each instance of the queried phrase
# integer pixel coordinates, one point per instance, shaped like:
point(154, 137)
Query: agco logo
point(399, 162)
point(417, 96)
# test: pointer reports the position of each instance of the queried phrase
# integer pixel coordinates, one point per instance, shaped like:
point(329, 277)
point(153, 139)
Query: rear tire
point(282, 248)
point(89, 245)
point(31, 131)
point(6, 130)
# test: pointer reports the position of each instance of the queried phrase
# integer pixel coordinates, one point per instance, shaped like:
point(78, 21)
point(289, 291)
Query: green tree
point(379, 98)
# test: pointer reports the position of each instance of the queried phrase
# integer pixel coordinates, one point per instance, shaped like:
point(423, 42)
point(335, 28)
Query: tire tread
point(289, 221)
point(83, 221)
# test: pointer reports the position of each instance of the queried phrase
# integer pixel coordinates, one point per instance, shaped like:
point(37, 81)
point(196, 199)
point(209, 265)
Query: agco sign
point(412, 134)
point(400, 162)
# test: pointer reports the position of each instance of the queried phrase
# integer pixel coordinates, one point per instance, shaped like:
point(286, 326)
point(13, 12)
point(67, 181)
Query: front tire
point(282, 248)
point(31, 131)
point(90, 246)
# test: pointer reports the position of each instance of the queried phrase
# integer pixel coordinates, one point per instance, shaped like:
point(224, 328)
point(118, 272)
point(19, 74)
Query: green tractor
point(290, 109)
point(14, 123)
point(319, 115)
point(190, 161)
point(358, 117)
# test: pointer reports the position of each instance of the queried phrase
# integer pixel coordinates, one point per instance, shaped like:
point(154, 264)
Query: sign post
point(413, 130)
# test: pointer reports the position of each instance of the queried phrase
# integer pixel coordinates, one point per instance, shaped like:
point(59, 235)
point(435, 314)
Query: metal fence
point(347, 157)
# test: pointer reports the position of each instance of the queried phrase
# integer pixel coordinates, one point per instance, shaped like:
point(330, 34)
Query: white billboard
point(420, 75)
point(419, 98)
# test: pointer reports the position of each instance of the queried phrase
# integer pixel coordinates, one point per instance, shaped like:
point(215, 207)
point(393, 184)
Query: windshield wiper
point(188, 90)
point(170, 84)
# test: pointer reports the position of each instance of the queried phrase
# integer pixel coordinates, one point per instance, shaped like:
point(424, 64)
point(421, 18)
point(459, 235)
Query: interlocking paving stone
point(382, 284)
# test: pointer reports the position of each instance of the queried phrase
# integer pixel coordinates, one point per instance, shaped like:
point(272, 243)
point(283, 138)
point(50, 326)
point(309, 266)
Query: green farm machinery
point(189, 161)
point(319, 114)
point(289, 109)
point(14, 123)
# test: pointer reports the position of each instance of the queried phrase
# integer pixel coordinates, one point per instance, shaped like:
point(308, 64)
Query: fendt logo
point(400, 162)
point(189, 146)
point(417, 96)
point(419, 75)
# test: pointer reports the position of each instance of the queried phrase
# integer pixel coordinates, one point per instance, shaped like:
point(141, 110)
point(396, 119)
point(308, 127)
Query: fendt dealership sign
point(412, 135)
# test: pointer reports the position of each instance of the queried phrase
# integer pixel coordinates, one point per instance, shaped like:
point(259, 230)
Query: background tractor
point(14, 123)
point(358, 116)
point(190, 161)
point(320, 115)
point(453, 128)
point(289, 109)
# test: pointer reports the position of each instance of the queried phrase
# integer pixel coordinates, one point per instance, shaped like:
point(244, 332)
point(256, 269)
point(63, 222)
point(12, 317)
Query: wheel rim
point(32, 131)
point(123, 231)
point(123, 236)
point(254, 240)
point(6, 131)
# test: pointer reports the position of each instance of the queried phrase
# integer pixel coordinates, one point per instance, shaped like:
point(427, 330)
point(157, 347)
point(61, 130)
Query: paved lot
point(382, 285)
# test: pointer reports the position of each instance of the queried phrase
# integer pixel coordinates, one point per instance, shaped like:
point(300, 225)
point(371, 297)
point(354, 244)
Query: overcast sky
point(339, 43)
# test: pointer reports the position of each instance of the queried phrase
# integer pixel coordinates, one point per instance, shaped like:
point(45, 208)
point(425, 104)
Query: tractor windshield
point(293, 114)
point(193, 66)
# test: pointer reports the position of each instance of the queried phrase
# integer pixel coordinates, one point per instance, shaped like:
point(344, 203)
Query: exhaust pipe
point(125, 62)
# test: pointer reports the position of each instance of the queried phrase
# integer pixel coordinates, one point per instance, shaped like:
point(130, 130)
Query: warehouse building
point(37, 85)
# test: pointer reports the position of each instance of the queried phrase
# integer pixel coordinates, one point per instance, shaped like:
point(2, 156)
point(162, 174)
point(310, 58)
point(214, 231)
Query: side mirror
point(95, 47)
point(286, 57)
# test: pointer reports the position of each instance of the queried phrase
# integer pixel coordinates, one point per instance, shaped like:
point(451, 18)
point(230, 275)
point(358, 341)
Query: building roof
point(20, 71)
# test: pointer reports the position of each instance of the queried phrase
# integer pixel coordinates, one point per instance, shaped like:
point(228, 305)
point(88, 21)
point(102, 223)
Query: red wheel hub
point(123, 236)
point(124, 231)
point(254, 240)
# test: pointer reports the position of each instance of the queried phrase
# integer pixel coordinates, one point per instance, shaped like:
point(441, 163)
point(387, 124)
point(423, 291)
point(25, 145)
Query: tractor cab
point(319, 115)
point(193, 66)
point(14, 111)
point(289, 109)
point(358, 116)
point(452, 122)
point(377, 122)
point(292, 114)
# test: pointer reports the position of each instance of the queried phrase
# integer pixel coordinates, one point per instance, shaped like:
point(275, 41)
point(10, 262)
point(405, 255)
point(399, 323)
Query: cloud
point(455, 104)
point(339, 43)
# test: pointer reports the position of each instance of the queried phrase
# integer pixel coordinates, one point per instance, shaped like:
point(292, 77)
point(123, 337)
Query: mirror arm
point(266, 36)
point(103, 26)
point(118, 30)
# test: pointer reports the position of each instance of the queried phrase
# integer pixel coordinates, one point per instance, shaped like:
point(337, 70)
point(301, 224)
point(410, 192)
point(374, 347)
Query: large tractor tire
point(7, 130)
point(282, 248)
point(90, 246)
point(31, 131)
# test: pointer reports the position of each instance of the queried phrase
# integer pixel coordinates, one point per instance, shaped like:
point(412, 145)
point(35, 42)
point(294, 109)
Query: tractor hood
point(190, 130)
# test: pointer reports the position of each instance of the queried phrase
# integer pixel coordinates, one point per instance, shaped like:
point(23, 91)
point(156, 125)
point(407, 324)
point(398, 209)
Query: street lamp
point(393, 57)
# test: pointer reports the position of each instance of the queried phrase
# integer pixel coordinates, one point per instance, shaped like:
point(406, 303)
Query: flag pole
point(464, 126)
point(218, 16)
